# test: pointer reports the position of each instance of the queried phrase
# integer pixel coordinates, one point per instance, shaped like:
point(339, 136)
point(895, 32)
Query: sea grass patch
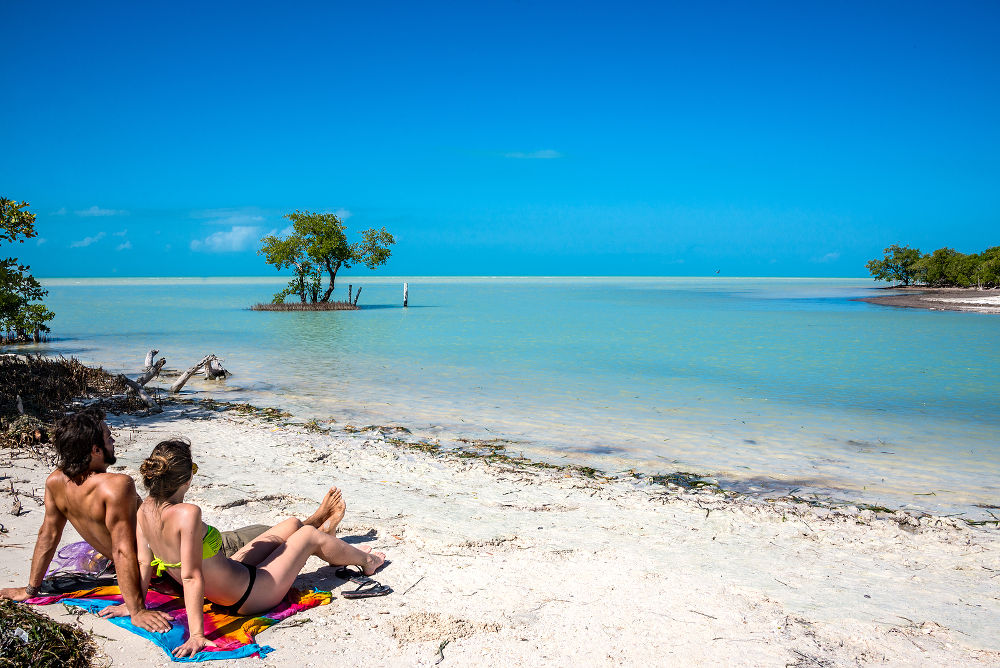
point(28, 638)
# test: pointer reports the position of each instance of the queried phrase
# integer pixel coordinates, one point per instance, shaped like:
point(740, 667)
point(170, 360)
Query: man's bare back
point(85, 503)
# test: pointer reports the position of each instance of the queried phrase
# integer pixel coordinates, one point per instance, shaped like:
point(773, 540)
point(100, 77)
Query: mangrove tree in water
point(317, 244)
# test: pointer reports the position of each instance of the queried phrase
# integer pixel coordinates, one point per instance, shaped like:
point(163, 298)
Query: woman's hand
point(120, 610)
point(193, 645)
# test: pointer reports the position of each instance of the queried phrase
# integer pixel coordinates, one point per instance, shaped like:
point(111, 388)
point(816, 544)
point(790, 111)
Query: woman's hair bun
point(154, 466)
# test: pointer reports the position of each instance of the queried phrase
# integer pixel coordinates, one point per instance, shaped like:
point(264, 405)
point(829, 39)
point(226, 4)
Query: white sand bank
point(976, 301)
point(536, 567)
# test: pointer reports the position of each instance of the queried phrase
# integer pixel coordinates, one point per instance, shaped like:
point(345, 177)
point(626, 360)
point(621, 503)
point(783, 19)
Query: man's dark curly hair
point(75, 437)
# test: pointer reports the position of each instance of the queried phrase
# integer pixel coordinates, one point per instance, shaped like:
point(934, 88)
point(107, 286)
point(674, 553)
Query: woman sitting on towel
point(173, 539)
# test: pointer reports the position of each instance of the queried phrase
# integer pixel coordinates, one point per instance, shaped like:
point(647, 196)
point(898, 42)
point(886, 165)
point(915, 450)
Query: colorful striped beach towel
point(234, 634)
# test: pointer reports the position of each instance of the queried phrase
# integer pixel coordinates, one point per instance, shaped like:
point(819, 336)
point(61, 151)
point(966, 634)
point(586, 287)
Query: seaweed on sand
point(494, 451)
point(28, 638)
point(684, 480)
point(383, 429)
point(875, 508)
point(263, 412)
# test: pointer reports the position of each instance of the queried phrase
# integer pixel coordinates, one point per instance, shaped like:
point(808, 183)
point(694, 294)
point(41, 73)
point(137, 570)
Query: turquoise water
point(769, 384)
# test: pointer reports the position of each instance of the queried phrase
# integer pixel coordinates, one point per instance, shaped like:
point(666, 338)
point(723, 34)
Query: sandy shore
point(530, 567)
point(941, 299)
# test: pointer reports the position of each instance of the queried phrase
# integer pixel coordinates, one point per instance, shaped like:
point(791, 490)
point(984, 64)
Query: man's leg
point(329, 514)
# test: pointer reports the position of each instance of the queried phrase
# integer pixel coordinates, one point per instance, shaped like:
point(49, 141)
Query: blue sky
point(784, 139)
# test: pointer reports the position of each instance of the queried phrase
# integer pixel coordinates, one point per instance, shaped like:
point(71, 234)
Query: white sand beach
point(523, 567)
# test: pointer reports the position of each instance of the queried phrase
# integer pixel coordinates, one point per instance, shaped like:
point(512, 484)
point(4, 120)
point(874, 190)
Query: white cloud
point(60, 212)
point(40, 240)
point(239, 238)
point(829, 257)
point(547, 154)
point(121, 234)
point(230, 217)
point(343, 214)
point(83, 243)
point(274, 232)
point(124, 246)
point(237, 219)
point(98, 211)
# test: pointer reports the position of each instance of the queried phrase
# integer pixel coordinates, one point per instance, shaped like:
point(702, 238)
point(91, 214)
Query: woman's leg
point(277, 572)
point(262, 546)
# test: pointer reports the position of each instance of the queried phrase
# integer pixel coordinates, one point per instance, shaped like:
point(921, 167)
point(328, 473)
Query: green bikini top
point(210, 546)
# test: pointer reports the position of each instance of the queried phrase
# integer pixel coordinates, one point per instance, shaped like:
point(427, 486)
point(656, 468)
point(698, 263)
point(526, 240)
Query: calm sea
point(770, 385)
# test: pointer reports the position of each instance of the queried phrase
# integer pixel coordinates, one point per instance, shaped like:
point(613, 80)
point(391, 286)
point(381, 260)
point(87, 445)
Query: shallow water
point(769, 384)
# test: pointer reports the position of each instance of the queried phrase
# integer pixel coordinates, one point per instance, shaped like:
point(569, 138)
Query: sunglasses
point(194, 468)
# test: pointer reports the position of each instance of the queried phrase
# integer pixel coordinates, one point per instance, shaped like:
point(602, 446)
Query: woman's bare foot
point(373, 562)
point(336, 515)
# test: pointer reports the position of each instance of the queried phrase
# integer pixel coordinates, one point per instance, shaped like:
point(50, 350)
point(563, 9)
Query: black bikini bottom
point(234, 609)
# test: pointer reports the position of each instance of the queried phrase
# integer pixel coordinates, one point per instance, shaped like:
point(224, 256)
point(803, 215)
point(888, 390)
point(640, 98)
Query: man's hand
point(15, 594)
point(152, 620)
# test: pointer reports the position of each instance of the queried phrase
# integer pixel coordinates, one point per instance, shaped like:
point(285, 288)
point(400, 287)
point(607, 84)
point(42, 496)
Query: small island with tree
point(945, 280)
point(318, 245)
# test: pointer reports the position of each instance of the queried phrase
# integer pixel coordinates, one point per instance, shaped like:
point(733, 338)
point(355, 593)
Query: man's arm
point(48, 539)
point(119, 515)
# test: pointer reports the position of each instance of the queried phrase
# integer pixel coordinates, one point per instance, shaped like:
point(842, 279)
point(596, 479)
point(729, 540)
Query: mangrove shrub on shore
point(22, 318)
point(945, 267)
point(318, 243)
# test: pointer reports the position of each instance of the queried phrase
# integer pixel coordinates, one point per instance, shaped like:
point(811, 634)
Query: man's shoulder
point(113, 484)
point(56, 478)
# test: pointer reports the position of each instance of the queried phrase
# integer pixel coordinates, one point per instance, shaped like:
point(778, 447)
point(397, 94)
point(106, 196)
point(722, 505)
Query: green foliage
point(19, 314)
point(318, 243)
point(945, 267)
point(896, 265)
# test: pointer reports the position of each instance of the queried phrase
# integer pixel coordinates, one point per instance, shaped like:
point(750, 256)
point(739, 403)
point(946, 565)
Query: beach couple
point(249, 571)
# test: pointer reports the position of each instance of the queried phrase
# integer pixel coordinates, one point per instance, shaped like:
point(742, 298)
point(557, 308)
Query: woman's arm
point(191, 532)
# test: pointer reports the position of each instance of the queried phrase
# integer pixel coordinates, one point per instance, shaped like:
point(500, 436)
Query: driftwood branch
point(356, 295)
point(151, 371)
point(186, 376)
point(149, 359)
point(214, 369)
point(138, 389)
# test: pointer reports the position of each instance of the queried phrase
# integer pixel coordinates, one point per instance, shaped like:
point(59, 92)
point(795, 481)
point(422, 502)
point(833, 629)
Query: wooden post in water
point(350, 288)
point(406, 294)
point(356, 295)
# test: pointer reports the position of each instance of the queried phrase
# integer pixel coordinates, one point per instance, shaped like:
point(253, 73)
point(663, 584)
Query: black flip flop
point(367, 587)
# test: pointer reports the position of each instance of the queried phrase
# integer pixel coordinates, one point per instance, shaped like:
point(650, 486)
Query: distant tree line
point(945, 267)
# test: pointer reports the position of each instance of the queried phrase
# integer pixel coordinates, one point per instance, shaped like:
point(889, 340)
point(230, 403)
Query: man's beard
point(109, 458)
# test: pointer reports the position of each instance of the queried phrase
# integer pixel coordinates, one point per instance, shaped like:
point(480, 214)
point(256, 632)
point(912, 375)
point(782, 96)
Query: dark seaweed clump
point(50, 644)
point(47, 388)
